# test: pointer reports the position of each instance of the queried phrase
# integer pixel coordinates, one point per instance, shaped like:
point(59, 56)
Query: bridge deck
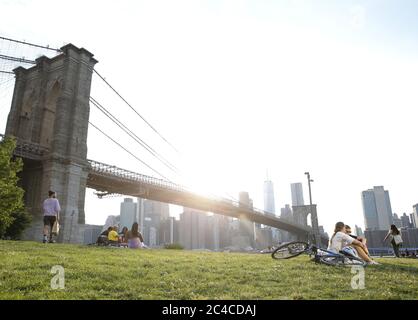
point(111, 179)
point(107, 178)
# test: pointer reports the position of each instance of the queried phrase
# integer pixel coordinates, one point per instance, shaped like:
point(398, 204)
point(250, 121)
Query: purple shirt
point(51, 207)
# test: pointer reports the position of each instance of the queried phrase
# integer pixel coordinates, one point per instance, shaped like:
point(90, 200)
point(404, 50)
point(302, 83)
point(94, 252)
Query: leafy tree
point(11, 195)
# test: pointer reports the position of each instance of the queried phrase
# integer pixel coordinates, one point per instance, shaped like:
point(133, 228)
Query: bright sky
point(239, 87)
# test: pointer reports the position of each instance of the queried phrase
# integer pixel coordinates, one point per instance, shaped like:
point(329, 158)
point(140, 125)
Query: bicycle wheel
point(290, 250)
point(354, 261)
point(341, 261)
point(331, 260)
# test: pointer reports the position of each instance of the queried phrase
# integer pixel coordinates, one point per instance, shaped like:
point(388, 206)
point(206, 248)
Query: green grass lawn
point(108, 273)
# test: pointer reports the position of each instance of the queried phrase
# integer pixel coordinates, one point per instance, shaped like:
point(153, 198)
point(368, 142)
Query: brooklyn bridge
point(49, 118)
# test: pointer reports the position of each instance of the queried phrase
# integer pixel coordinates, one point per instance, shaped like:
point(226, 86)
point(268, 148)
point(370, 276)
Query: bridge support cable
point(16, 59)
point(134, 136)
point(134, 110)
point(133, 155)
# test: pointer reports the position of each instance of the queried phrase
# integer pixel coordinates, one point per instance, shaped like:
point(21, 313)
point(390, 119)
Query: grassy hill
point(111, 273)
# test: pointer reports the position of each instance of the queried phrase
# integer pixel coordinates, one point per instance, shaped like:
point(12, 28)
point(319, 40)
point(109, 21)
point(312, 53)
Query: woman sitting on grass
point(341, 241)
point(134, 237)
point(113, 236)
point(123, 237)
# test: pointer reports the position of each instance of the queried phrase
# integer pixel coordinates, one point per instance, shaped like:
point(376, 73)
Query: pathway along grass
point(111, 273)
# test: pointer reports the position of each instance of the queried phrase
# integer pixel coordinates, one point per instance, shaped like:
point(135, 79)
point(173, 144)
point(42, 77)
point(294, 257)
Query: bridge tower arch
point(50, 108)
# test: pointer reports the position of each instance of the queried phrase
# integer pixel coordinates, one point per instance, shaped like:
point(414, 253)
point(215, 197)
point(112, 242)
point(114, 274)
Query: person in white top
point(51, 207)
point(340, 240)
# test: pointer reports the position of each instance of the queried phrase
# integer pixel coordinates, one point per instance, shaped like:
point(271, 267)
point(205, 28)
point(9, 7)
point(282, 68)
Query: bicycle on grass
point(296, 248)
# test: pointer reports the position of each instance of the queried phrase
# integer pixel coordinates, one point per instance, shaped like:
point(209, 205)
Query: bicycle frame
point(313, 250)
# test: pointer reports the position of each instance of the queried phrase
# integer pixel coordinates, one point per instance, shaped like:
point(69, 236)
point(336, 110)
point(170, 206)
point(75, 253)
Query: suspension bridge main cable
point(117, 143)
point(31, 44)
point(140, 141)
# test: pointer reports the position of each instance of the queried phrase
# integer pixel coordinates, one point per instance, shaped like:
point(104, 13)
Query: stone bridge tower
point(50, 108)
point(300, 216)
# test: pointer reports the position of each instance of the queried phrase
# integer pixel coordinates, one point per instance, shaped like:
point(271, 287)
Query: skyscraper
point(246, 227)
point(192, 228)
point(212, 241)
point(154, 213)
point(169, 231)
point(411, 217)
point(128, 213)
point(140, 214)
point(297, 194)
point(414, 218)
point(405, 222)
point(359, 232)
point(396, 221)
point(377, 209)
point(286, 213)
point(269, 203)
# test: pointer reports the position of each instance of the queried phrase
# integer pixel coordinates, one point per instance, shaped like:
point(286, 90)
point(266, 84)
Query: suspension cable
point(133, 109)
point(140, 141)
point(117, 143)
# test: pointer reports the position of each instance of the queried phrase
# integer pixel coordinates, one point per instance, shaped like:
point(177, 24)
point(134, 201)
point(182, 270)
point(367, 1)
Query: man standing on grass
point(51, 214)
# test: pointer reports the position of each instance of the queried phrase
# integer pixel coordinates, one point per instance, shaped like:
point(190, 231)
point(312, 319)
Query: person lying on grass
point(340, 240)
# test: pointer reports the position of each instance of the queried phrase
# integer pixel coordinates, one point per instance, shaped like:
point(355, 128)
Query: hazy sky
point(244, 86)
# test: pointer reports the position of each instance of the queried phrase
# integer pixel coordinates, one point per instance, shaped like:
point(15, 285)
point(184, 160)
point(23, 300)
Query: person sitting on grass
point(123, 237)
point(340, 241)
point(135, 239)
point(361, 239)
point(113, 236)
point(103, 237)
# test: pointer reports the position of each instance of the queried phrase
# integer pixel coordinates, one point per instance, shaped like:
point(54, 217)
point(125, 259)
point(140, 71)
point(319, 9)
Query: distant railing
point(103, 168)
point(100, 167)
